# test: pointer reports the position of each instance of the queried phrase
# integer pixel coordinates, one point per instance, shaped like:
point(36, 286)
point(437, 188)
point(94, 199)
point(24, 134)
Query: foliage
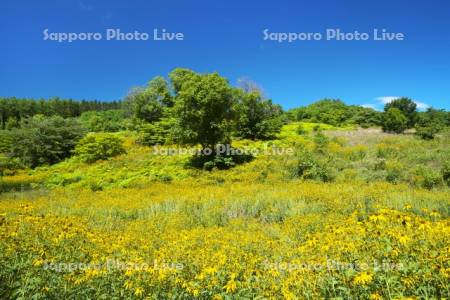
point(311, 168)
point(407, 107)
point(257, 118)
point(5, 141)
point(149, 103)
point(156, 133)
point(300, 129)
point(336, 113)
point(42, 140)
point(394, 121)
point(204, 110)
point(98, 146)
point(179, 77)
point(106, 121)
point(8, 166)
point(429, 123)
point(13, 110)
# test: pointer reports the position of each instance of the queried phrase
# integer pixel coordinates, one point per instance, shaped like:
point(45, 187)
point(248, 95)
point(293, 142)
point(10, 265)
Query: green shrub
point(426, 132)
point(98, 146)
point(428, 178)
point(221, 162)
point(384, 150)
point(394, 121)
point(42, 140)
point(106, 121)
point(8, 166)
point(157, 133)
point(310, 167)
point(300, 129)
point(394, 171)
point(321, 142)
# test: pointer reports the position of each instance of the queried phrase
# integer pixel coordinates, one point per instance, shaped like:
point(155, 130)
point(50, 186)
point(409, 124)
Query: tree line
point(186, 108)
point(13, 110)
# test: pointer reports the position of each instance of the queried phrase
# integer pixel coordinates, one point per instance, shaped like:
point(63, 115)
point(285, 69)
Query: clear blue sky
point(227, 36)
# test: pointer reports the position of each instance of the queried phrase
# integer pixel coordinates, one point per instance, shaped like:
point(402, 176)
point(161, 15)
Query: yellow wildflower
point(363, 278)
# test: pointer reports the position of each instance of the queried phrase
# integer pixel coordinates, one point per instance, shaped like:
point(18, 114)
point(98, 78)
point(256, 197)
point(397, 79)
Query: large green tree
point(256, 118)
point(203, 107)
point(407, 107)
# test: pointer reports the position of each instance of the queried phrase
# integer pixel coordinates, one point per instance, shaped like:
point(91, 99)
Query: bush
point(385, 150)
point(428, 178)
point(42, 140)
point(301, 130)
point(394, 121)
point(426, 132)
point(98, 146)
point(395, 171)
point(221, 162)
point(321, 142)
point(157, 133)
point(309, 167)
point(430, 123)
point(106, 121)
point(8, 166)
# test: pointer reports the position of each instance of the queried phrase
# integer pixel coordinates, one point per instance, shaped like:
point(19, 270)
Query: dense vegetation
point(323, 201)
point(13, 110)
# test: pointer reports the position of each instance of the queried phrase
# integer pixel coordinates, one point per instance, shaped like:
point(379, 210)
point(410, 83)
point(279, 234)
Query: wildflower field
point(350, 214)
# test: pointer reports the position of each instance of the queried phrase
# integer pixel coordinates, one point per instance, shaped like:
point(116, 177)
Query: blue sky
point(227, 36)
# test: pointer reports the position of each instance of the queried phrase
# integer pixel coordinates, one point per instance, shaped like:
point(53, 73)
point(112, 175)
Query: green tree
point(159, 87)
point(429, 123)
point(407, 107)
point(203, 107)
point(256, 118)
point(149, 103)
point(179, 76)
point(42, 140)
point(394, 121)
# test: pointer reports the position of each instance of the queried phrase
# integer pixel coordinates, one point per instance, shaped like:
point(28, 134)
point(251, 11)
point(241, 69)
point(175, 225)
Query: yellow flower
point(231, 286)
point(403, 239)
point(363, 278)
point(38, 262)
point(138, 292)
point(375, 296)
point(128, 285)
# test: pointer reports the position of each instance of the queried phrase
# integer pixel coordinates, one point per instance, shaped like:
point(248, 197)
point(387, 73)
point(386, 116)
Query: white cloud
point(421, 105)
point(373, 106)
point(386, 99)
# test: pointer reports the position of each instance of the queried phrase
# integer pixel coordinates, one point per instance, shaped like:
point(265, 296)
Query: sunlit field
point(351, 214)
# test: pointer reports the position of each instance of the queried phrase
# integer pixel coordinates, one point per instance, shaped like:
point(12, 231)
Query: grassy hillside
point(351, 214)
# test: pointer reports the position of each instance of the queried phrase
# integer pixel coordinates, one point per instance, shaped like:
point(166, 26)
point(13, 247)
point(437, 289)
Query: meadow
point(352, 214)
